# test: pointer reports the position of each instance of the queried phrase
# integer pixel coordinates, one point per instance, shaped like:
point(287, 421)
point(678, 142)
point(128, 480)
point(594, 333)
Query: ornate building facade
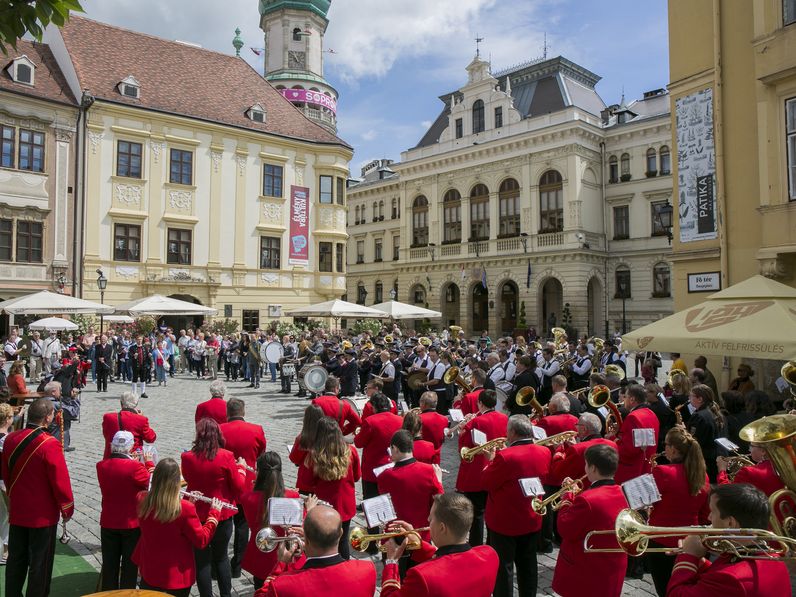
point(527, 200)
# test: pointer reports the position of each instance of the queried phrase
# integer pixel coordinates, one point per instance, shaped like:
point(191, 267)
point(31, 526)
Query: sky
point(392, 59)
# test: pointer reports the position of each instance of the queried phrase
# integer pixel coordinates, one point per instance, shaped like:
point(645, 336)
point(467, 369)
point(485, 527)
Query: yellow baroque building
point(201, 180)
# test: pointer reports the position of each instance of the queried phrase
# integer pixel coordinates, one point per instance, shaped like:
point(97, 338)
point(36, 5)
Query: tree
point(18, 17)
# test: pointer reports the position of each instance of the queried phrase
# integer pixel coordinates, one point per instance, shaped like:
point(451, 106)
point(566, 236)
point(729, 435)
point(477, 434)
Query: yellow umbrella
point(755, 318)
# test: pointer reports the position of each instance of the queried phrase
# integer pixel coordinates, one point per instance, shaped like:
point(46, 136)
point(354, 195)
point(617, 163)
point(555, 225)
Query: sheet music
point(380, 469)
point(479, 437)
point(603, 410)
point(641, 491)
point(456, 414)
point(404, 406)
point(379, 510)
point(538, 432)
point(643, 438)
point(726, 444)
point(531, 486)
point(285, 511)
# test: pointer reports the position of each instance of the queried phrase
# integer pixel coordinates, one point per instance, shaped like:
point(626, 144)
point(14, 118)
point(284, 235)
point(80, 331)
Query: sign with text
point(704, 282)
point(311, 97)
point(299, 225)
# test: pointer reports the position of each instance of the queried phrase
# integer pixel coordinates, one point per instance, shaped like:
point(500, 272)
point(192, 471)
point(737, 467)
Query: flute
point(203, 498)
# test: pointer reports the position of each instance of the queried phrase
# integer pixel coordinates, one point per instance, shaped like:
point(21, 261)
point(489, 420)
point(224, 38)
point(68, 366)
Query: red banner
point(299, 225)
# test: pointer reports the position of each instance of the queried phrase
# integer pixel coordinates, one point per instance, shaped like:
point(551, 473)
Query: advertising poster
point(299, 225)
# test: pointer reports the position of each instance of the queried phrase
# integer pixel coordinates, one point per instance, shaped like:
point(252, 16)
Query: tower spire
point(478, 41)
point(237, 42)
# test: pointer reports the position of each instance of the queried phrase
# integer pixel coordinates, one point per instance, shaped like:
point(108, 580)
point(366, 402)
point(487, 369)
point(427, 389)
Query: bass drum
point(502, 396)
point(273, 351)
point(312, 378)
point(358, 403)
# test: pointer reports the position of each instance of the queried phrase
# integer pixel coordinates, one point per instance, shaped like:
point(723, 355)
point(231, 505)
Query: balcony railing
point(448, 250)
point(420, 253)
point(477, 248)
point(508, 244)
point(551, 239)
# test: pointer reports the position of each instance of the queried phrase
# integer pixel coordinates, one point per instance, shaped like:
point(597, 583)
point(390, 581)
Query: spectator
point(743, 383)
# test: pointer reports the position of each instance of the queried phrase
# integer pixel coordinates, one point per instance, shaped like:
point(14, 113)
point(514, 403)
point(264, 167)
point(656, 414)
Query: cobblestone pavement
point(171, 411)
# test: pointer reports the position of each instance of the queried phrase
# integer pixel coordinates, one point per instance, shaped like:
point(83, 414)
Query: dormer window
point(129, 87)
point(22, 70)
point(256, 113)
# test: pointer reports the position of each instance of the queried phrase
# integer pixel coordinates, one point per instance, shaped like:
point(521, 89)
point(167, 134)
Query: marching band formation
point(557, 447)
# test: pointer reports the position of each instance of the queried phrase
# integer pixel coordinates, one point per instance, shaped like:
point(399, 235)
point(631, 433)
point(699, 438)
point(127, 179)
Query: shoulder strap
point(340, 413)
point(17, 453)
point(119, 416)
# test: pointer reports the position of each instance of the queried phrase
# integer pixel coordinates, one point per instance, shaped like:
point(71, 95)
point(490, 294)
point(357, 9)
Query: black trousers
point(370, 489)
point(240, 539)
point(443, 403)
point(118, 569)
point(344, 547)
point(102, 378)
point(547, 534)
point(515, 551)
point(478, 500)
point(660, 565)
point(215, 556)
point(186, 592)
point(30, 554)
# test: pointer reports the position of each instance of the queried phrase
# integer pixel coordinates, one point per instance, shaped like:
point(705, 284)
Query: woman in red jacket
point(335, 470)
point(16, 379)
point(424, 451)
point(684, 489)
point(212, 470)
point(302, 445)
point(170, 530)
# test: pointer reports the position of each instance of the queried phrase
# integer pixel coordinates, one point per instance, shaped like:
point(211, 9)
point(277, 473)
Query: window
point(375, 211)
point(419, 295)
point(478, 116)
point(339, 253)
point(325, 189)
point(652, 162)
point(622, 282)
point(661, 281)
point(251, 319)
point(656, 225)
point(420, 222)
point(179, 247)
point(8, 135)
point(21, 72)
point(297, 34)
point(356, 217)
point(361, 293)
point(128, 159)
point(394, 208)
point(31, 150)
point(29, 241)
point(396, 247)
point(459, 128)
point(666, 161)
point(377, 249)
point(257, 115)
point(479, 212)
point(181, 169)
point(790, 128)
point(324, 257)
point(360, 251)
point(551, 202)
point(788, 12)
point(126, 242)
point(621, 222)
point(379, 293)
point(381, 210)
point(6, 239)
point(129, 87)
point(452, 217)
point(270, 252)
point(272, 180)
point(498, 117)
point(625, 164)
point(340, 191)
point(613, 169)
point(509, 208)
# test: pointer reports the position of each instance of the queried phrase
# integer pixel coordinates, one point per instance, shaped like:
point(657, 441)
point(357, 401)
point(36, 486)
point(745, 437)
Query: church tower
point(294, 32)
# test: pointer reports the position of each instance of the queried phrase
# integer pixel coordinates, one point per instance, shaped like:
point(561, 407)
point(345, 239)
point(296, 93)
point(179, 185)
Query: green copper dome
point(319, 7)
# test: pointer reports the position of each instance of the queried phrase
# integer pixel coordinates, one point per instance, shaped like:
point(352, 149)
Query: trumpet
point(453, 375)
point(600, 396)
point(388, 339)
point(267, 540)
point(458, 428)
point(360, 540)
point(193, 495)
point(653, 460)
point(468, 454)
point(554, 500)
point(633, 536)
point(557, 439)
point(736, 463)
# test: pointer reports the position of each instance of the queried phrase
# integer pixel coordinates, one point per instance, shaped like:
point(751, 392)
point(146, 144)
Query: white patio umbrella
point(53, 324)
point(337, 309)
point(119, 318)
point(45, 302)
point(399, 310)
point(158, 304)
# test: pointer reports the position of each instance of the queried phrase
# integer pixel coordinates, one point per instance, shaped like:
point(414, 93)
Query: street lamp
point(524, 241)
point(663, 215)
point(623, 291)
point(393, 294)
point(102, 284)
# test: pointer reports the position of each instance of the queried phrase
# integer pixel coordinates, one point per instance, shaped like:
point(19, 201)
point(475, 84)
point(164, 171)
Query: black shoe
point(144, 395)
point(251, 385)
point(69, 449)
point(236, 573)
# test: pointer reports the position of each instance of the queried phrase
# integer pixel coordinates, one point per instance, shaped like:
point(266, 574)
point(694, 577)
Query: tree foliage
point(18, 17)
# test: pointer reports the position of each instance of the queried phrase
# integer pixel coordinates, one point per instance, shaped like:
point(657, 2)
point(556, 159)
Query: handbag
point(166, 365)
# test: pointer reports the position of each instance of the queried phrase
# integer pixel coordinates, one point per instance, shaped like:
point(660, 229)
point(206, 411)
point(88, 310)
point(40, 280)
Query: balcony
point(451, 250)
point(420, 253)
point(549, 239)
point(509, 244)
point(478, 247)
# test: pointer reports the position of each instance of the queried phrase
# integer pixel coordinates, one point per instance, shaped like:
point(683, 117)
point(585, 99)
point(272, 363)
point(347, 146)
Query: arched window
point(509, 208)
point(356, 216)
point(420, 221)
point(622, 280)
point(479, 212)
point(394, 208)
point(417, 296)
point(625, 164)
point(652, 162)
point(666, 161)
point(361, 293)
point(381, 210)
point(452, 217)
point(551, 202)
point(375, 211)
point(379, 293)
point(478, 116)
point(661, 281)
point(613, 169)
point(297, 34)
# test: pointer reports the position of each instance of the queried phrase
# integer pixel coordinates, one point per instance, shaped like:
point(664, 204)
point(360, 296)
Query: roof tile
point(49, 82)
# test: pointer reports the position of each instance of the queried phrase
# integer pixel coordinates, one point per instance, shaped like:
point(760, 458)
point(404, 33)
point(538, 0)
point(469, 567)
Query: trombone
point(554, 500)
point(557, 439)
point(360, 540)
point(633, 536)
point(468, 454)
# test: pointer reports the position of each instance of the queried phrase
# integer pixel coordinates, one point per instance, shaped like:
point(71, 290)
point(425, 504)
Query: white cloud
point(369, 135)
point(425, 124)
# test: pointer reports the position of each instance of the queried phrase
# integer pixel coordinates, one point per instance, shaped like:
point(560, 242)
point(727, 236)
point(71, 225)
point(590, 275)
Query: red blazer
point(553, 424)
point(454, 571)
point(635, 461)
point(494, 425)
point(508, 511)
point(215, 408)
point(762, 475)
point(367, 410)
point(425, 452)
point(412, 486)
point(678, 508)
point(121, 479)
point(374, 438)
point(434, 426)
point(594, 574)
point(136, 424)
point(299, 458)
point(16, 384)
point(570, 461)
point(353, 578)
point(255, 562)
point(469, 402)
point(341, 411)
point(39, 490)
point(164, 553)
point(341, 494)
point(220, 478)
point(244, 440)
point(696, 577)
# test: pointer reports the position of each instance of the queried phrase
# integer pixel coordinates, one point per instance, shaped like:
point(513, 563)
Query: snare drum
point(289, 369)
point(501, 396)
point(273, 352)
point(358, 403)
point(312, 377)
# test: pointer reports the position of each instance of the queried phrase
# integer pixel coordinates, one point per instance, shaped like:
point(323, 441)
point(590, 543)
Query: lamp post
point(102, 284)
point(393, 294)
point(663, 214)
point(623, 290)
point(524, 241)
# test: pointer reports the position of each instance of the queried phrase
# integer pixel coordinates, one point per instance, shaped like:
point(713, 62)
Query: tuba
point(615, 370)
point(388, 339)
point(600, 396)
point(453, 375)
point(527, 397)
point(788, 373)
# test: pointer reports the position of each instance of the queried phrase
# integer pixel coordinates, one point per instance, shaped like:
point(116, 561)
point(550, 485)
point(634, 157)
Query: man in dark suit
point(104, 356)
point(348, 372)
point(525, 377)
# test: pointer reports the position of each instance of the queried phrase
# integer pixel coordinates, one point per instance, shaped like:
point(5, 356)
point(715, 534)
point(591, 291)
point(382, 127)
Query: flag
point(463, 274)
point(483, 277)
point(528, 281)
point(257, 51)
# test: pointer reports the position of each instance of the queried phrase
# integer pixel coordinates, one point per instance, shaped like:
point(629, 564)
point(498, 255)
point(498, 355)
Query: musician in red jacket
point(424, 451)
point(762, 475)
point(216, 407)
point(454, 569)
point(375, 386)
point(121, 478)
point(434, 424)
point(737, 505)
point(579, 573)
point(469, 401)
point(559, 420)
point(469, 480)
point(325, 571)
point(39, 494)
point(339, 410)
point(302, 446)
point(247, 441)
point(129, 418)
point(635, 461)
point(170, 531)
point(513, 525)
point(568, 459)
point(213, 471)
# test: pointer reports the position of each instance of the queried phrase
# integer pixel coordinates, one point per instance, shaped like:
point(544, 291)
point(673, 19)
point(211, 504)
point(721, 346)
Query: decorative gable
point(22, 70)
point(130, 87)
point(256, 113)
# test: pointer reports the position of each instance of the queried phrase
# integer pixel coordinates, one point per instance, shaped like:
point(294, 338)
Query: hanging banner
point(696, 166)
point(299, 225)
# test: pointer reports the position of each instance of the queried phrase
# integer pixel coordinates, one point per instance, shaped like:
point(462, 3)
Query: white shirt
point(421, 363)
point(496, 373)
point(549, 368)
point(436, 371)
point(387, 370)
point(582, 365)
point(509, 370)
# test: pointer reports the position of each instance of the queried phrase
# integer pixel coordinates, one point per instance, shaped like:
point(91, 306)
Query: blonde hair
point(163, 501)
point(6, 413)
point(18, 367)
point(681, 384)
point(693, 459)
point(331, 456)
